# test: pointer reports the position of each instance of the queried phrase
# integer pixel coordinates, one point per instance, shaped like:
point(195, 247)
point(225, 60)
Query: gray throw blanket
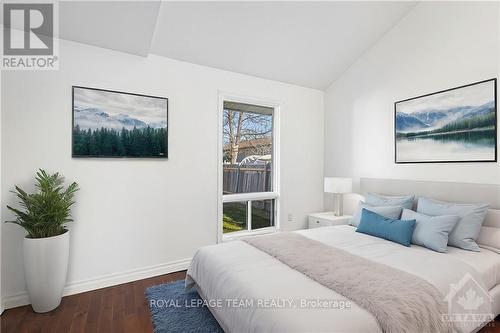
point(401, 302)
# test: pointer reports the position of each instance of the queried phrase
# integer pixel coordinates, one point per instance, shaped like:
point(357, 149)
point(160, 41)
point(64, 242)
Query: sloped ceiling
point(126, 26)
point(304, 43)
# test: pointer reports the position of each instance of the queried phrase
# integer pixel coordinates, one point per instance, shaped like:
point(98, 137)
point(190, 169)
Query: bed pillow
point(399, 231)
point(431, 231)
point(467, 230)
point(393, 212)
point(375, 199)
point(489, 239)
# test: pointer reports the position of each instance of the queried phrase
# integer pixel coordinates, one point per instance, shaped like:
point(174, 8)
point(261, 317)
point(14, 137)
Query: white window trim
point(232, 97)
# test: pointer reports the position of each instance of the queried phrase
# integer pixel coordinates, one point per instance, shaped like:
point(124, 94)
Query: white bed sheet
point(236, 270)
point(486, 263)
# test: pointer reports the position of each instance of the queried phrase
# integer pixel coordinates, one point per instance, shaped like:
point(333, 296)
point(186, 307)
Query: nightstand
point(327, 219)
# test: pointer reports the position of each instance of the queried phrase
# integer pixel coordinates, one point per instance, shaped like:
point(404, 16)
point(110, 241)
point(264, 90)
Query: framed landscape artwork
point(454, 125)
point(110, 123)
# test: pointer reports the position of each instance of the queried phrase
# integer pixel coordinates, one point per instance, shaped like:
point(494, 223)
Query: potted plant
point(46, 246)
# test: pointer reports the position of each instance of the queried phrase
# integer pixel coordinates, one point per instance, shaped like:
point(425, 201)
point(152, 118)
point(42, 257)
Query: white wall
point(1, 201)
point(438, 45)
point(142, 217)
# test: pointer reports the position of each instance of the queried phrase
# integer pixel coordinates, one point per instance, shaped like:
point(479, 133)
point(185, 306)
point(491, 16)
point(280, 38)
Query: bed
point(238, 271)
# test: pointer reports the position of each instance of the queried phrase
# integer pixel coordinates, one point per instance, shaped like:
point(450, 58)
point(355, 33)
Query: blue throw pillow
point(387, 211)
point(375, 199)
point(466, 232)
point(431, 231)
point(399, 231)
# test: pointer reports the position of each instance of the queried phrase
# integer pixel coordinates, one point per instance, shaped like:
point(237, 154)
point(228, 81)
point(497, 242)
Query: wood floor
point(121, 308)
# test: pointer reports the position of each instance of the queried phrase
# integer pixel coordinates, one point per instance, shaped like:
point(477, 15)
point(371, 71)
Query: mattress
point(237, 271)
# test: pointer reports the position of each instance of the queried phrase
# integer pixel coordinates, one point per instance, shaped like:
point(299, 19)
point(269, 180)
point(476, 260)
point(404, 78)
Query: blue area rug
point(174, 309)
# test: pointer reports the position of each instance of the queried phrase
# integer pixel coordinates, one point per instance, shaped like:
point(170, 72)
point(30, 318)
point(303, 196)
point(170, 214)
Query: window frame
point(255, 196)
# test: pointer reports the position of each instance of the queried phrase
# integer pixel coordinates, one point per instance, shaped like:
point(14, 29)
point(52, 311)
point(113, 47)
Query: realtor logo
point(37, 23)
point(468, 303)
point(28, 36)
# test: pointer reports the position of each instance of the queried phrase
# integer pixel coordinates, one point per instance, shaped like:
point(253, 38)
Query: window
point(249, 179)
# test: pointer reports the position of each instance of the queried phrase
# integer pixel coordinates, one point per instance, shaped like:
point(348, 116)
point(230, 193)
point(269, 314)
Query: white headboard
point(445, 191)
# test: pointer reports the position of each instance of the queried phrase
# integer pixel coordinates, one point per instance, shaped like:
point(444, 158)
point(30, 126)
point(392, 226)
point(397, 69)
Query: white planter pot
point(45, 270)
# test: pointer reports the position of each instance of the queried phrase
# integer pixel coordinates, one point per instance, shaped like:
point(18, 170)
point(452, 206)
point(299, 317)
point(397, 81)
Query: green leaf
point(45, 212)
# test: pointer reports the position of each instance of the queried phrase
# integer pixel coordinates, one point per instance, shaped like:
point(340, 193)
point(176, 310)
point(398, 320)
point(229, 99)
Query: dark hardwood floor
point(121, 308)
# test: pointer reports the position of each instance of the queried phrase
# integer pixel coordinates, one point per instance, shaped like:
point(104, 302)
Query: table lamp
point(338, 186)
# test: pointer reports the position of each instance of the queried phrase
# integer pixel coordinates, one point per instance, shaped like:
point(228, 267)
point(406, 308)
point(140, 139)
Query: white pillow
point(489, 238)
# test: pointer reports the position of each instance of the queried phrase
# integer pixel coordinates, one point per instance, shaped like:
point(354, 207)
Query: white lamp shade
point(338, 185)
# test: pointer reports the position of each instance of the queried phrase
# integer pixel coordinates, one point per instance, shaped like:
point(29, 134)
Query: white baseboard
point(75, 287)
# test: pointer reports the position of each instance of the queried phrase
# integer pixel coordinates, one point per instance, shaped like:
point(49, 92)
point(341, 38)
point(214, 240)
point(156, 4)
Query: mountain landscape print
point(456, 125)
point(116, 124)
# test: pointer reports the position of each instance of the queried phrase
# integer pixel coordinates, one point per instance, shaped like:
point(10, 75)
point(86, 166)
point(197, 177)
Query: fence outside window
point(247, 178)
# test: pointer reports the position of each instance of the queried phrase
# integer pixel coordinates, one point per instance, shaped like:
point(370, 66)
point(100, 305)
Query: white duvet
point(237, 271)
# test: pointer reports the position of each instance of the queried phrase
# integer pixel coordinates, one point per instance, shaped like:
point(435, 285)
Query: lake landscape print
point(456, 125)
point(116, 124)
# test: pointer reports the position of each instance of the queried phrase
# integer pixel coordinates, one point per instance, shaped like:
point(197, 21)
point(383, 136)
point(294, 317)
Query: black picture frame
point(494, 80)
point(73, 87)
